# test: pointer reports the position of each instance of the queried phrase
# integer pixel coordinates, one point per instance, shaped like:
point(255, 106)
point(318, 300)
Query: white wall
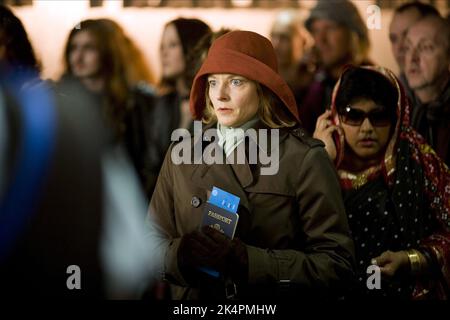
point(48, 23)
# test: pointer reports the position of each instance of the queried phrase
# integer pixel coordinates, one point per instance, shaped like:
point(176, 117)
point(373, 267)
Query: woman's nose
point(366, 125)
point(75, 55)
point(222, 92)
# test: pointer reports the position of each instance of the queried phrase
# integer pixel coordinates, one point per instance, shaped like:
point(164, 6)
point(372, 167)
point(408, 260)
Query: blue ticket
point(211, 272)
point(224, 200)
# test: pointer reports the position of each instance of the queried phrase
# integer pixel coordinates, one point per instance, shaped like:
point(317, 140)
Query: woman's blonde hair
point(272, 111)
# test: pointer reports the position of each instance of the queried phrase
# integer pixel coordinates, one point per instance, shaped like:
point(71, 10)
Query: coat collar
point(233, 178)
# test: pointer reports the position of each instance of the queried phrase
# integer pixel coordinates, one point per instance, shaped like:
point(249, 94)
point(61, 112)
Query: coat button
point(195, 202)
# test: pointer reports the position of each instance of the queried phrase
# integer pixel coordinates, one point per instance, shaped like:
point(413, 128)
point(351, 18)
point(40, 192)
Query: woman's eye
point(91, 48)
point(236, 82)
point(426, 48)
point(212, 83)
point(173, 44)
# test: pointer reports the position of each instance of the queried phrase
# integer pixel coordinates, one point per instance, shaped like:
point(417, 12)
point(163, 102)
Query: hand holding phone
point(327, 131)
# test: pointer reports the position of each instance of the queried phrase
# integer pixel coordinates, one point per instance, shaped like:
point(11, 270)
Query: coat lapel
point(232, 180)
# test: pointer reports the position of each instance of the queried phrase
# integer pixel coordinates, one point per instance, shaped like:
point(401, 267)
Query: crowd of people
point(88, 176)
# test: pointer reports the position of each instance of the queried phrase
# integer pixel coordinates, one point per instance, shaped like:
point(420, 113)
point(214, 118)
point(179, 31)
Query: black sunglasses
point(355, 117)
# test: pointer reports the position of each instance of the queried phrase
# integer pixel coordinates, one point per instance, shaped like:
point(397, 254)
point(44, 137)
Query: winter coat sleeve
point(326, 260)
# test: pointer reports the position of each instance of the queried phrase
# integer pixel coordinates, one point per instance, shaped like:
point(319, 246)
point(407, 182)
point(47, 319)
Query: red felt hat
point(247, 54)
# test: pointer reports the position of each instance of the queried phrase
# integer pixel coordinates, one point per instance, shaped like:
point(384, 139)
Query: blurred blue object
point(36, 110)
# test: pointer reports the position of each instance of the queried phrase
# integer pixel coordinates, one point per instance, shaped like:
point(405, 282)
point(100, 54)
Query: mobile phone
point(338, 141)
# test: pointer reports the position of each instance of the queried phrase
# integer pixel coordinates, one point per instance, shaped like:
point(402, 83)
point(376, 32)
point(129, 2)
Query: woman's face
point(234, 98)
point(171, 51)
point(369, 139)
point(84, 57)
point(287, 42)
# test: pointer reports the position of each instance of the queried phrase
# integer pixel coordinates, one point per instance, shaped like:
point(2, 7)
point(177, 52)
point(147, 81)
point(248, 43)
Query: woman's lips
point(367, 142)
point(224, 110)
point(78, 66)
point(413, 71)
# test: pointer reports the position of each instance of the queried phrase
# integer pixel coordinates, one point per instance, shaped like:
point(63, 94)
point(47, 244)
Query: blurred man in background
point(292, 46)
point(340, 38)
point(427, 69)
point(404, 17)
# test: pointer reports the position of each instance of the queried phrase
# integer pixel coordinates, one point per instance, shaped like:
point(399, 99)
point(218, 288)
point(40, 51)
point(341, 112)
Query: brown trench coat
point(293, 223)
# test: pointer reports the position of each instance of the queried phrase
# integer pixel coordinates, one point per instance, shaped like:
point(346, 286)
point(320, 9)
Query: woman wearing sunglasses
point(396, 190)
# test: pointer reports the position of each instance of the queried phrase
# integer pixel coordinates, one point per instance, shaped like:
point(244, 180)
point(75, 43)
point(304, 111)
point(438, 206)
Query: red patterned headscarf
point(407, 153)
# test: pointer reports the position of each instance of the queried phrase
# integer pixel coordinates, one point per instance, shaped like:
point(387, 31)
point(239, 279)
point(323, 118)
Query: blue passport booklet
point(220, 213)
point(220, 219)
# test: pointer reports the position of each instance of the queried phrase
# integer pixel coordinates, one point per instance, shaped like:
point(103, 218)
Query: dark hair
point(197, 55)
point(19, 52)
point(357, 83)
point(190, 31)
point(423, 8)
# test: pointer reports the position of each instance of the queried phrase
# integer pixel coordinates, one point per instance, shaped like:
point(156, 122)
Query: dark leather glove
point(231, 257)
point(191, 254)
point(191, 249)
point(210, 248)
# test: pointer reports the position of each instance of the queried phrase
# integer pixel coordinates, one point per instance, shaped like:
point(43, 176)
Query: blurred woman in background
point(171, 112)
point(109, 65)
point(179, 38)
